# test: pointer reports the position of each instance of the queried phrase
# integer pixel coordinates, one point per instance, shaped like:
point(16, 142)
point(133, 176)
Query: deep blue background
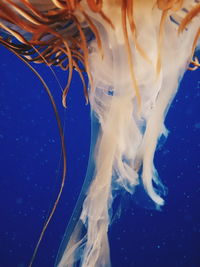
point(30, 174)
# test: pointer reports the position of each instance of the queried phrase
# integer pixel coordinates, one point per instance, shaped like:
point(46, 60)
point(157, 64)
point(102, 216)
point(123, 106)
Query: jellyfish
point(135, 53)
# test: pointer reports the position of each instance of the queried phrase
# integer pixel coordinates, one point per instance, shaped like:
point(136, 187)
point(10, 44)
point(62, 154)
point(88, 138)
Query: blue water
point(30, 175)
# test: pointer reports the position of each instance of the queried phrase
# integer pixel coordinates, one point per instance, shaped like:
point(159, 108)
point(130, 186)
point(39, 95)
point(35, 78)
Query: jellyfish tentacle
point(189, 17)
point(95, 31)
point(45, 34)
point(195, 63)
point(125, 31)
point(87, 248)
point(131, 88)
point(160, 40)
point(130, 13)
point(63, 154)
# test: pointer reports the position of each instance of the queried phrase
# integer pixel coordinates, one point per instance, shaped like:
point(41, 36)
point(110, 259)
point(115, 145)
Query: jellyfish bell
point(135, 53)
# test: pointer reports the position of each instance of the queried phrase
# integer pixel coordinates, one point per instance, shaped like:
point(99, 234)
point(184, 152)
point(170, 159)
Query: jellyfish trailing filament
point(135, 52)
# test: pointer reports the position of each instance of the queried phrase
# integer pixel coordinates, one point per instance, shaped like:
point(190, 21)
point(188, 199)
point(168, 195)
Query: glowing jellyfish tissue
point(134, 52)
